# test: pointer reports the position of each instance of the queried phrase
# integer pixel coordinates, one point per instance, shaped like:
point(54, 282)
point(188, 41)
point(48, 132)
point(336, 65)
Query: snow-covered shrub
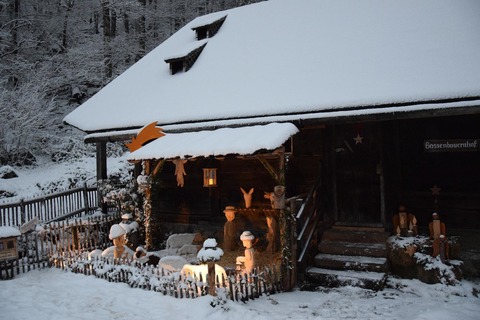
point(220, 300)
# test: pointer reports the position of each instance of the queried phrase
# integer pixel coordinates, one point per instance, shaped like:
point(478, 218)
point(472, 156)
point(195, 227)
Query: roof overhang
point(382, 112)
point(111, 136)
point(241, 141)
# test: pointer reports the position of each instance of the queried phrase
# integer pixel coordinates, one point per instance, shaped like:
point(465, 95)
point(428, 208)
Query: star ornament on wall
point(358, 139)
point(435, 190)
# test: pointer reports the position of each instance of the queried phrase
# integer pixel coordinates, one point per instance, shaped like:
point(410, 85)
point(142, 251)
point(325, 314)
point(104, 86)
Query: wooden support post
point(333, 162)
point(147, 208)
point(85, 198)
point(212, 289)
point(101, 170)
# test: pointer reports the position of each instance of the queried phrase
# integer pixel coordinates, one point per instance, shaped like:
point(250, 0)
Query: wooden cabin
point(379, 122)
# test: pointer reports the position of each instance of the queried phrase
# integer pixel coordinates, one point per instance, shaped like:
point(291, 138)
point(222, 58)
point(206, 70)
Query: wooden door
point(358, 173)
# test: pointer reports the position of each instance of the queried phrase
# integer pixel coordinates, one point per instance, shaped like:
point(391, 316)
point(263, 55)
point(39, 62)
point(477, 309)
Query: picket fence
point(236, 287)
point(66, 244)
point(73, 236)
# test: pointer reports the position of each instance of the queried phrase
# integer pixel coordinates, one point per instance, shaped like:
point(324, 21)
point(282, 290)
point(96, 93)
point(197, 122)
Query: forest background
point(55, 54)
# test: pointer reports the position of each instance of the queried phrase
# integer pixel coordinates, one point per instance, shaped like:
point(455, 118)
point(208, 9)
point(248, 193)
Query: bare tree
point(54, 54)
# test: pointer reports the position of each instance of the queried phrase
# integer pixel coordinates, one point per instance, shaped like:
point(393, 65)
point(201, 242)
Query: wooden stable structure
point(363, 181)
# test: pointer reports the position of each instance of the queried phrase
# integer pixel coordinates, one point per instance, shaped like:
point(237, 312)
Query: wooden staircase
point(354, 256)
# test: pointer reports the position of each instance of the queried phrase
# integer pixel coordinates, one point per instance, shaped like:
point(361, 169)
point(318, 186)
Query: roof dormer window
point(208, 30)
point(183, 63)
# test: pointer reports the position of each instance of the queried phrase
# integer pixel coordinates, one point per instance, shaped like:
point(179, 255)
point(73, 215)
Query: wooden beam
point(269, 168)
point(158, 167)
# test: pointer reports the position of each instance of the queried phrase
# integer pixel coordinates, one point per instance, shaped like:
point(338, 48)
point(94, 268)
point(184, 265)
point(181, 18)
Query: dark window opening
point(209, 30)
point(186, 62)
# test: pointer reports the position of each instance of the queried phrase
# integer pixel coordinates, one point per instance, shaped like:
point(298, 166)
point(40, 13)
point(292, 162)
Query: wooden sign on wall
point(452, 145)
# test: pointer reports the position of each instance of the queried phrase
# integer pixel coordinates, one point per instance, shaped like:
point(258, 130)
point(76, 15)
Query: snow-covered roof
point(7, 232)
point(291, 57)
point(242, 140)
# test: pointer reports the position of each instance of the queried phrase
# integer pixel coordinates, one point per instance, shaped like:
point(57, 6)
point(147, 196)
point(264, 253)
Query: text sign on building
point(453, 145)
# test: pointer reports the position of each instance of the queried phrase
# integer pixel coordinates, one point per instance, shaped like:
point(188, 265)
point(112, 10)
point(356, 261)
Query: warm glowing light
point(210, 177)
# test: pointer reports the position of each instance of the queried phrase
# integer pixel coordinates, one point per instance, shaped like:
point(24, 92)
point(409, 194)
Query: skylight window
point(208, 30)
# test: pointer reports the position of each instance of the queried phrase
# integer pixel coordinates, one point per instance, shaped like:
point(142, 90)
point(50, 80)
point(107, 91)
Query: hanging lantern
point(209, 177)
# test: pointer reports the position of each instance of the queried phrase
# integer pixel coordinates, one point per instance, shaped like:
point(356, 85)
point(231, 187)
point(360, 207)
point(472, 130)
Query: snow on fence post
point(209, 254)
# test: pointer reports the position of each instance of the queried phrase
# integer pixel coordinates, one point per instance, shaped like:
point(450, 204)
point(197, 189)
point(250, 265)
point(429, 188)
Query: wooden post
point(22, 212)
point(75, 245)
point(212, 289)
point(333, 162)
point(381, 173)
point(85, 198)
point(147, 208)
point(101, 171)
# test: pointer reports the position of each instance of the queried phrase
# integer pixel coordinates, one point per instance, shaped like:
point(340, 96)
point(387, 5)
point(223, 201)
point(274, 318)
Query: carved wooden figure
point(248, 260)
point(272, 235)
point(404, 223)
point(437, 234)
point(180, 171)
point(117, 235)
point(229, 229)
point(247, 196)
point(277, 197)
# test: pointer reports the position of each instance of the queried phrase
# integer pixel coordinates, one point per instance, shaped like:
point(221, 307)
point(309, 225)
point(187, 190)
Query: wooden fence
point(62, 205)
point(66, 244)
point(236, 287)
point(68, 237)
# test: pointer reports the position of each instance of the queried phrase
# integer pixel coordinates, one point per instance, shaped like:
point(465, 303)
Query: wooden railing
point(307, 218)
point(53, 207)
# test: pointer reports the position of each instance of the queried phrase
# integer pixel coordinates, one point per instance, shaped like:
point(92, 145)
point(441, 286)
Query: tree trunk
point(142, 30)
point(107, 37)
point(126, 23)
point(16, 16)
point(69, 6)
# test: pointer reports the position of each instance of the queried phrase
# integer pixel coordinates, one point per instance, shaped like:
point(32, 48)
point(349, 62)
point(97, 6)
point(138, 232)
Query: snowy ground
point(47, 176)
point(53, 294)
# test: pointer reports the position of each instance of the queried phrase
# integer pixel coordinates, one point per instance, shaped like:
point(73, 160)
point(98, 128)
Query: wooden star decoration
point(358, 139)
point(435, 190)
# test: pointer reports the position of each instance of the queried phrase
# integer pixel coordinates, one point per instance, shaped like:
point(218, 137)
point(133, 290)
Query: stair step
point(353, 249)
point(336, 278)
point(359, 226)
point(344, 262)
point(355, 235)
